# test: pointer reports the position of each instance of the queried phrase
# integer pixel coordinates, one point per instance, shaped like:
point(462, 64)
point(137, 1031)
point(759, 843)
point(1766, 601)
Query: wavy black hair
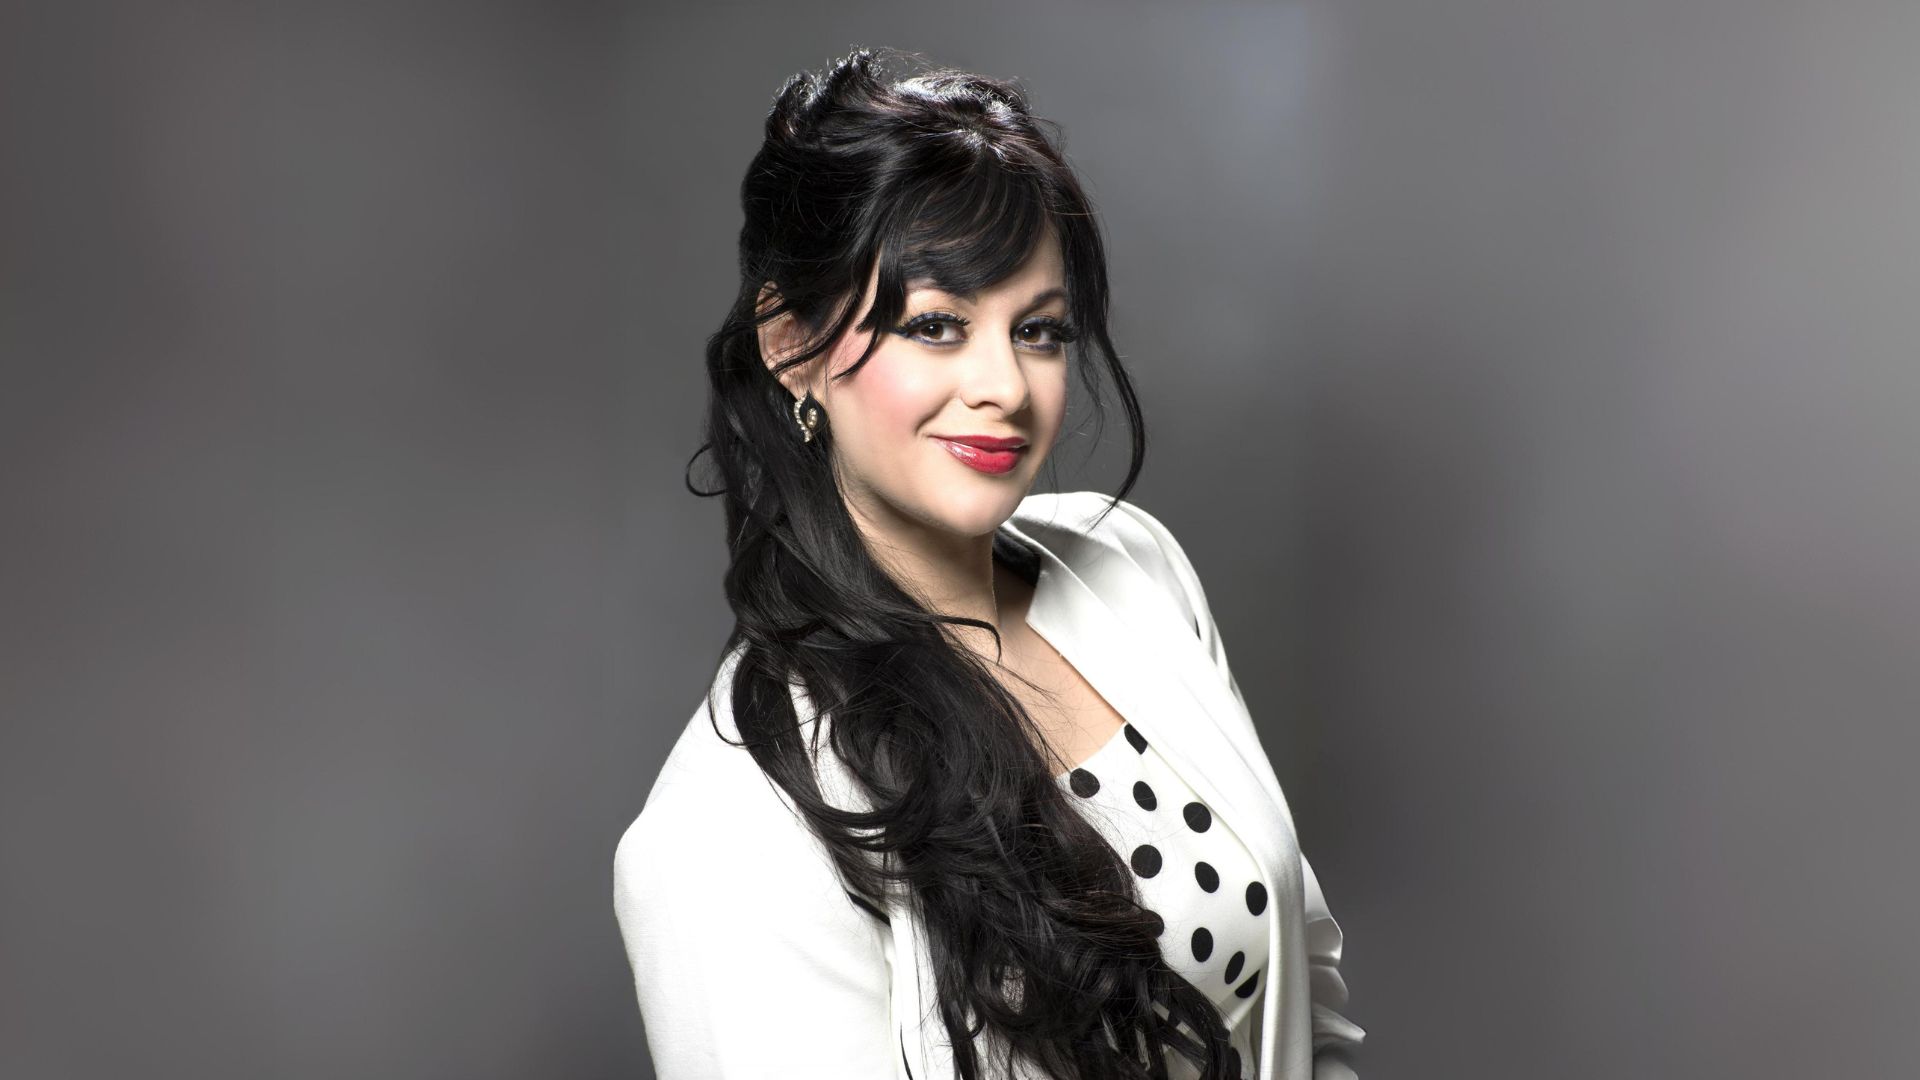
point(1034, 925)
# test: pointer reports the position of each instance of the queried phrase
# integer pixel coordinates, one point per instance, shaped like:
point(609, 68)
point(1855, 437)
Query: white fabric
point(750, 960)
point(1190, 869)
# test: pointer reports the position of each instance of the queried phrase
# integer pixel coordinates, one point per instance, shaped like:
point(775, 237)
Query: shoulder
point(710, 805)
point(707, 795)
point(718, 876)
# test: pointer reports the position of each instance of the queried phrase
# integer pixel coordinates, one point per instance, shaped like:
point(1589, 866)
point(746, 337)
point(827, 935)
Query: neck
point(950, 574)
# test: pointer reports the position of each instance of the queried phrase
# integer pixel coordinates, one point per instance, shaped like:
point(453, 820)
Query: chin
point(978, 512)
point(1005, 502)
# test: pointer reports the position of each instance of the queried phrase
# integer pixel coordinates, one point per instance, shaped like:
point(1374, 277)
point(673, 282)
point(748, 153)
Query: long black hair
point(1034, 925)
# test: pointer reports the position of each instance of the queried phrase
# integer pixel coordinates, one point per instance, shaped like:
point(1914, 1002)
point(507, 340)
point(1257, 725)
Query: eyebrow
point(1041, 297)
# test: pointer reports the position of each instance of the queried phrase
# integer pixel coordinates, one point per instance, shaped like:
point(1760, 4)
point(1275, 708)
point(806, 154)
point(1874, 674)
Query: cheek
point(1048, 390)
point(893, 399)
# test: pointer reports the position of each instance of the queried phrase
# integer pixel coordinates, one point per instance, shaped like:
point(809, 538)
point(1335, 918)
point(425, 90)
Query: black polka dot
point(1256, 897)
point(1247, 988)
point(1138, 740)
point(1233, 1061)
point(1143, 795)
point(1084, 783)
point(1198, 816)
point(1234, 963)
point(1207, 876)
point(1202, 944)
point(1159, 924)
point(1146, 860)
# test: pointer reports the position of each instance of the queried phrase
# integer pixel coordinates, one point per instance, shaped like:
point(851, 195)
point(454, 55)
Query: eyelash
point(1063, 332)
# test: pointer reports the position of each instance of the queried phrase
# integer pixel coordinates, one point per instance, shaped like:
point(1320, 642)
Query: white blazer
point(751, 959)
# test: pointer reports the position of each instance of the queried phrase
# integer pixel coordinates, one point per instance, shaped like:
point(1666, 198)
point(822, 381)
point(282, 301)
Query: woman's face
point(993, 366)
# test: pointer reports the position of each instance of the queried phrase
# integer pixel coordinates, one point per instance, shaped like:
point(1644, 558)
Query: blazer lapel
point(1132, 641)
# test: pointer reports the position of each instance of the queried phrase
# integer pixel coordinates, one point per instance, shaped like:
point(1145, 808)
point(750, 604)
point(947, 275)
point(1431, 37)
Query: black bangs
point(979, 220)
point(967, 216)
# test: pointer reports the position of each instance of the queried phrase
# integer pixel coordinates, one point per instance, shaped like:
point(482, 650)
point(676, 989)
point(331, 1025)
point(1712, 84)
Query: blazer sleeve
point(749, 958)
point(1335, 1038)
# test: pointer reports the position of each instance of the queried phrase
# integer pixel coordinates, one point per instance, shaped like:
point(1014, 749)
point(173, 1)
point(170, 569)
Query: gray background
point(1534, 383)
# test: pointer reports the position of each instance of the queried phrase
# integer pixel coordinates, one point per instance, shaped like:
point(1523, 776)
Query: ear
point(781, 337)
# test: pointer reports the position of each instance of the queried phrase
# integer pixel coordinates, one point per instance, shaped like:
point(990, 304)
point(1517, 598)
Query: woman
point(973, 792)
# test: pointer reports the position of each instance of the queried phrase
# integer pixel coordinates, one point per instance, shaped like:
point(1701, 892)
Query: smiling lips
point(986, 453)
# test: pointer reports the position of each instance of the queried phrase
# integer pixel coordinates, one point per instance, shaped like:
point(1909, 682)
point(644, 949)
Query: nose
point(993, 374)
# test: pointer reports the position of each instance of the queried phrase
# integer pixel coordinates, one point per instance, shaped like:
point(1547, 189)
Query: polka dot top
point(1192, 872)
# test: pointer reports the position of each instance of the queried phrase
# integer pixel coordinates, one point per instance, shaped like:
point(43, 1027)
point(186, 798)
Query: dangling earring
point(812, 418)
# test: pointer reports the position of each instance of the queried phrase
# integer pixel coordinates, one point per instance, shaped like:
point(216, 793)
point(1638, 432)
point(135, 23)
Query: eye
point(916, 328)
point(1045, 334)
point(1056, 333)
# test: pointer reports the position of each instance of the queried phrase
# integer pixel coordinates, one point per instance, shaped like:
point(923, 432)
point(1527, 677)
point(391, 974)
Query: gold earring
point(812, 419)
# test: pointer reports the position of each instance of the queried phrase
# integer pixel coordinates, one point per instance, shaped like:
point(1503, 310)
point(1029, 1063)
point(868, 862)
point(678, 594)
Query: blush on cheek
point(895, 401)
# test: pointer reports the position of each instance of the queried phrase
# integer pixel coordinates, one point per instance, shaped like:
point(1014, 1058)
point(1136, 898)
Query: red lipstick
point(985, 453)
